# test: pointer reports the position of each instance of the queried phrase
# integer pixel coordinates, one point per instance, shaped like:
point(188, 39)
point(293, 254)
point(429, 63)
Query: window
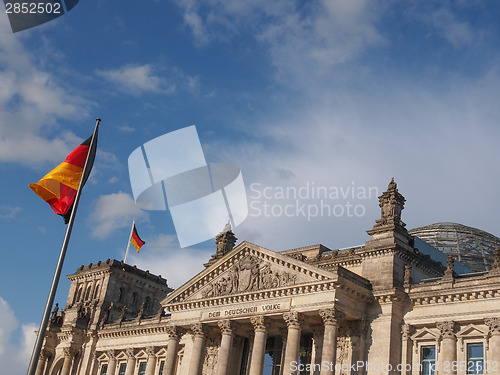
point(147, 303)
point(142, 368)
point(162, 364)
point(79, 294)
point(428, 359)
point(133, 301)
point(104, 369)
point(121, 294)
point(87, 293)
point(475, 359)
point(96, 293)
point(123, 367)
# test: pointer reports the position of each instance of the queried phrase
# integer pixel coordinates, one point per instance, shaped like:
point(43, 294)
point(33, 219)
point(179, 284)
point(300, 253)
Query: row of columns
point(260, 325)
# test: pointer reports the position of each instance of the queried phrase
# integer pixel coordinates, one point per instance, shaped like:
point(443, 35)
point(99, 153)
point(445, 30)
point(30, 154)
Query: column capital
point(45, 355)
point(293, 320)
point(447, 329)
point(259, 323)
point(198, 330)
point(226, 326)
point(493, 325)
point(405, 331)
point(150, 351)
point(69, 352)
point(331, 316)
point(111, 353)
point(130, 353)
point(173, 332)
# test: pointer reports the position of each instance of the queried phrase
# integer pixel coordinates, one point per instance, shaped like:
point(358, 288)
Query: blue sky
point(335, 94)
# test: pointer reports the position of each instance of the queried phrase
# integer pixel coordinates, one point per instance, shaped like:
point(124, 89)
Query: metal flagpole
point(128, 245)
point(55, 281)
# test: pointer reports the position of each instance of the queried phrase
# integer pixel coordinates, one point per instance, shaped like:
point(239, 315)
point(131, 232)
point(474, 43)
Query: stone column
point(330, 320)
point(225, 346)
point(69, 353)
point(259, 345)
point(317, 348)
point(151, 364)
point(42, 362)
point(112, 362)
point(199, 334)
point(448, 348)
point(293, 323)
point(172, 344)
point(130, 362)
point(494, 340)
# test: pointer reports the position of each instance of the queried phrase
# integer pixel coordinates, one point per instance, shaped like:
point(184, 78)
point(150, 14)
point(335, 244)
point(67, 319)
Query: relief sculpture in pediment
point(247, 275)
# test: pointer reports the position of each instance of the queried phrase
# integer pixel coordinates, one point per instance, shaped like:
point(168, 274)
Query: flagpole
point(128, 245)
point(57, 274)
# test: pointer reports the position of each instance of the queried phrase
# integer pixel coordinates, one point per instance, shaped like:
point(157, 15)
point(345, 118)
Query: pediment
point(471, 331)
point(424, 334)
point(247, 268)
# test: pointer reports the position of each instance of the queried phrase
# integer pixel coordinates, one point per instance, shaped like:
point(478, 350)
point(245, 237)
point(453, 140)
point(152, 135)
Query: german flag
point(136, 240)
point(58, 188)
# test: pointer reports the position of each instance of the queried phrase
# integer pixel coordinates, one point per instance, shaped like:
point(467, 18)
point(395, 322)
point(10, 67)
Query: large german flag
point(136, 240)
point(58, 188)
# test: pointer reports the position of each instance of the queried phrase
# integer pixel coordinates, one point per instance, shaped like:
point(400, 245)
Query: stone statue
point(407, 275)
point(53, 314)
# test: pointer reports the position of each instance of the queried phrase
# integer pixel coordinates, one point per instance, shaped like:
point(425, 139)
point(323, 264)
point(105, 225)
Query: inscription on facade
point(237, 311)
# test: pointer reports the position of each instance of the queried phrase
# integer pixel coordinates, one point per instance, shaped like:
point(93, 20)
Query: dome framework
point(470, 246)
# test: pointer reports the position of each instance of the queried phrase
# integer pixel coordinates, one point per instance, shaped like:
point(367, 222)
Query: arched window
point(133, 301)
point(96, 292)
point(147, 303)
point(87, 293)
point(79, 294)
point(121, 294)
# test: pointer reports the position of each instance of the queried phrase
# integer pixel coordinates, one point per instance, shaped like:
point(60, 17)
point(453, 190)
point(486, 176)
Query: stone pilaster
point(330, 320)
point(293, 322)
point(448, 347)
point(112, 362)
point(259, 345)
point(130, 362)
point(227, 329)
point(199, 335)
point(69, 354)
point(151, 364)
point(406, 349)
point(494, 337)
point(42, 362)
point(172, 345)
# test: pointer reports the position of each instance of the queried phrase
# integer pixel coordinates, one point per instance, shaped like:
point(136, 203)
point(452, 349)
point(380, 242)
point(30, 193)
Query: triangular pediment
point(424, 334)
point(247, 268)
point(471, 331)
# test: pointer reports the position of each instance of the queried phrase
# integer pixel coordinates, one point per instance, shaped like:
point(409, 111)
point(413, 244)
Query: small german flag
point(136, 240)
point(59, 187)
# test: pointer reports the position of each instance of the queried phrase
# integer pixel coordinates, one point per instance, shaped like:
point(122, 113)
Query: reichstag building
point(395, 305)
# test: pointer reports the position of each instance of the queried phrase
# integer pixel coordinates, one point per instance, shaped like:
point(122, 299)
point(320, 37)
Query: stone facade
point(381, 308)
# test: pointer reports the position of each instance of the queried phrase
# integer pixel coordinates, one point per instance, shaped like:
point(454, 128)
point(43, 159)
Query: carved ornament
point(493, 325)
point(248, 275)
point(259, 323)
point(447, 329)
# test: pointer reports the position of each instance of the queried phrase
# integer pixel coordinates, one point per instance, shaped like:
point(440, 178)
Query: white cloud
point(175, 264)
point(114, 211)
point(458, 33)
point(32, 101)
point(14, 357)
point(136, 79)
point(9, 212)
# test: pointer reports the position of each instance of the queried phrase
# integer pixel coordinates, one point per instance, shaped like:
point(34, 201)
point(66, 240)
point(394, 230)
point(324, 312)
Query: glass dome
point(471, 246)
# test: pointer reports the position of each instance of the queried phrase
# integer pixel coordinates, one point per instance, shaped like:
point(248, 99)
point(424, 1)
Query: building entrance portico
point(258, 312)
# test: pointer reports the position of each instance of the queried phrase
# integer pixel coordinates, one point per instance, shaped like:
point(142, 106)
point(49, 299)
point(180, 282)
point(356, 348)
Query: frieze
point(245, 310)
point(249, 275)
